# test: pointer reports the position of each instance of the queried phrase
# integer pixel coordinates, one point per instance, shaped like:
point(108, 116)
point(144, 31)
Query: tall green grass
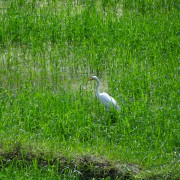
point(49, 49)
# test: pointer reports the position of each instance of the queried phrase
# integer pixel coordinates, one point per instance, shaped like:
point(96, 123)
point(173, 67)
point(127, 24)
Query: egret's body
point(106, 100)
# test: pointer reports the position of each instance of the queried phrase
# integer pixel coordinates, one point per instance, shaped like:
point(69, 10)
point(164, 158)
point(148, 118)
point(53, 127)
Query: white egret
point(105, 99)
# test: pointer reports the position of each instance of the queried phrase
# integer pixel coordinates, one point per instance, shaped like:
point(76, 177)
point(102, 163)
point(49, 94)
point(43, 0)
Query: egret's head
point(93, 78)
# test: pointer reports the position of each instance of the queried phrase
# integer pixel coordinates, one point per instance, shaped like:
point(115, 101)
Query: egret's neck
point(97, 87)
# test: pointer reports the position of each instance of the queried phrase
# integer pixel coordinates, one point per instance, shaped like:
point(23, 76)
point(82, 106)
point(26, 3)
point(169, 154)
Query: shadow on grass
point(86, 167)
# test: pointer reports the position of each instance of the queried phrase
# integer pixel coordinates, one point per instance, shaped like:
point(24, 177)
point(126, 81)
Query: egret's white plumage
point(106, 100)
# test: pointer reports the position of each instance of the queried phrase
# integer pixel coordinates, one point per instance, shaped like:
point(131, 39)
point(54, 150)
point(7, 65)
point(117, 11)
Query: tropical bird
point(106, 100)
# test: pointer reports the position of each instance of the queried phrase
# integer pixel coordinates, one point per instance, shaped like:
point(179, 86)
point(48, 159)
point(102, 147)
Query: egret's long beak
point(90, 79)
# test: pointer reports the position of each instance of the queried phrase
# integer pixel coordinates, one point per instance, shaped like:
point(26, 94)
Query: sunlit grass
point(48, 51)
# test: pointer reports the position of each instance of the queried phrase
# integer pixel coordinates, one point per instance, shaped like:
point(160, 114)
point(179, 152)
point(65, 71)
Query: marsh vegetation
point(51, 123)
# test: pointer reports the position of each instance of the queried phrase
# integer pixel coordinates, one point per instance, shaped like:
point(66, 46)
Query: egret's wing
point(108, 101)
point(115, 104)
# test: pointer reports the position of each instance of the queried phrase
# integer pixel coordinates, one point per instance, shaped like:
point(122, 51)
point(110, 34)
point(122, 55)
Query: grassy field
point(51, 123)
